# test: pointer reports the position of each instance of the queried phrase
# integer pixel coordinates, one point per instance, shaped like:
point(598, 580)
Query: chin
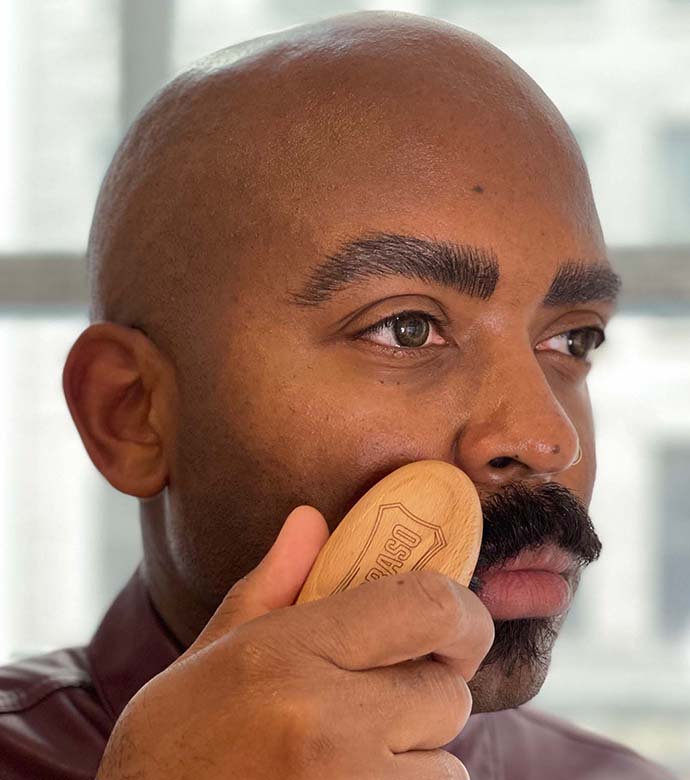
point(515, 667)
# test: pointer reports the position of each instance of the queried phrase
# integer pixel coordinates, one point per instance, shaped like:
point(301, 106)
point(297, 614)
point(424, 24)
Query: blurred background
point(74, 73)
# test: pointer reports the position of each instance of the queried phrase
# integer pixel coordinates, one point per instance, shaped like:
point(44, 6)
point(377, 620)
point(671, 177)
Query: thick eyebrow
point(467, 269)
point(579, 282)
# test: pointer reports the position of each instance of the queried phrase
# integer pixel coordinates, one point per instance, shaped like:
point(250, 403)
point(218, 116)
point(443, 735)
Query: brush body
point(424, 515)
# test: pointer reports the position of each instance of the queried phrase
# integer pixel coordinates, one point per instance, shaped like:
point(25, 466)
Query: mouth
point(537, 582)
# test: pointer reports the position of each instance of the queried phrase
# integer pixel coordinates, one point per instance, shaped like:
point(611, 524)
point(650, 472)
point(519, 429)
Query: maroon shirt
point(57, 712)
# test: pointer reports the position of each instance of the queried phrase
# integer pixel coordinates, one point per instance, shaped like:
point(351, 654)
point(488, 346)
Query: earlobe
point(114, 381)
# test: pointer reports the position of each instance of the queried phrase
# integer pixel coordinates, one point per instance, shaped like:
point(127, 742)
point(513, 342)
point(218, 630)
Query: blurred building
point(72, 76)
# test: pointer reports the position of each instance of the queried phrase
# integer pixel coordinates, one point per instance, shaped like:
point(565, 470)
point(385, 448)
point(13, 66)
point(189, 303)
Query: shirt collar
point(130, 646)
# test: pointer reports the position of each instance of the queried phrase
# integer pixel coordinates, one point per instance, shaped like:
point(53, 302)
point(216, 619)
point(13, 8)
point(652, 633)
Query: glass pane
point(58, 116)
point(617, 668)
point(673, 203)
point(673, 474)
point(67, 539)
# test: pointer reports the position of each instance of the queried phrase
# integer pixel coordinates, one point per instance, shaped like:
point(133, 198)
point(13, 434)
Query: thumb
point(277, 580)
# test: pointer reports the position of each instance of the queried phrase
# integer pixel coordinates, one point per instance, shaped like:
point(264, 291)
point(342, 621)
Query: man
point(316, 257)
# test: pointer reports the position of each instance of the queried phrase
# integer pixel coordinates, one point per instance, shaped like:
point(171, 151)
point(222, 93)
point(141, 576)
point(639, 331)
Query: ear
point(120, 390)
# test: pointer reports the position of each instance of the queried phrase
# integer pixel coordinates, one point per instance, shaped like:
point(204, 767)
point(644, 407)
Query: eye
point(406, 330)
point(576, 343)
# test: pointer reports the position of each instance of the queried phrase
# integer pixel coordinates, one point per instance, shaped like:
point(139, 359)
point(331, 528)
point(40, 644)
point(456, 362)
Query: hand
point(368, 683)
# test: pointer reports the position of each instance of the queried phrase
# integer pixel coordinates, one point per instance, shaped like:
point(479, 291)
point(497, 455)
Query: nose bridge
point(516, 418)
point(529, 403)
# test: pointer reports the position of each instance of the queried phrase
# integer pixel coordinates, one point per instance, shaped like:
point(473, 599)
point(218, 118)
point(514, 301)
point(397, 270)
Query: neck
point(178, 606)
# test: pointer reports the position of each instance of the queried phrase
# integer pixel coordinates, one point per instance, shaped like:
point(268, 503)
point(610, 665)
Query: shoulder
point(50, 713)
point(25, 683)
point(561, 749)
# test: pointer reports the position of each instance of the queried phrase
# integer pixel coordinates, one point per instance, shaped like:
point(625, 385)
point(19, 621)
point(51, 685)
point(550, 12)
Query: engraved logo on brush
point(397, 550)
point(399, 540)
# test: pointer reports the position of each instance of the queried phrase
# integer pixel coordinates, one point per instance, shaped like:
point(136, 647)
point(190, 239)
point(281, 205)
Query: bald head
point(268, 140)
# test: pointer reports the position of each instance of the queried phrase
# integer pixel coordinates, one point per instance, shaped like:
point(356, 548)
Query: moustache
point(517, 518)
point(523, 516)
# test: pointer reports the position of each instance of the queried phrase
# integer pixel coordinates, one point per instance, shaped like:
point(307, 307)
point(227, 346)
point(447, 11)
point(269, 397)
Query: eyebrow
point(579, 282)
point(467, 269)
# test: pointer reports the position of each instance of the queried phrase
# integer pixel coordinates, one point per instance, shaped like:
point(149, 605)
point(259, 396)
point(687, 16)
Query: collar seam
point(19, 700)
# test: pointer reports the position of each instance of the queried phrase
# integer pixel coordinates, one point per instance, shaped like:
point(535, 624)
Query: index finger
point(394, 619)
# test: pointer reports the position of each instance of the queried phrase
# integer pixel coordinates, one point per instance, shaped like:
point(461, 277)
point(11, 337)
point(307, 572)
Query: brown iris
point(411, 331)
point(581, 342)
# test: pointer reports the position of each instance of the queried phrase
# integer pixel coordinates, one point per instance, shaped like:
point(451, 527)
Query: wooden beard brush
point(424, 515)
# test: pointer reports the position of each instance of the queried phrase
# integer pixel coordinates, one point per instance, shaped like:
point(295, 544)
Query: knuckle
point(454, 699)
point(440, 594)
point(449, 767)
point(458, 695)
point(303, 726)
point(333, 639)
point(486, 628)
point(490, 634)
point(313, 753)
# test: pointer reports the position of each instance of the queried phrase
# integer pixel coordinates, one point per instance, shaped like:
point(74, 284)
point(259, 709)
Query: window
point(61, 123)
point(673, 204)
point(674, 539)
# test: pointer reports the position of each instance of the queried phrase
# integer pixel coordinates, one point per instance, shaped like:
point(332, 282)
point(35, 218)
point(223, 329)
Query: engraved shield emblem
point(399, 540)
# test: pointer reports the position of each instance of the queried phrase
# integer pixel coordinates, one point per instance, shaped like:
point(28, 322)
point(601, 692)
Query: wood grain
point(424, 515)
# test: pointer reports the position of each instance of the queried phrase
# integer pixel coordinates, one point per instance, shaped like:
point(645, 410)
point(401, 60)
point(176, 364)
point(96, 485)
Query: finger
point(429, 764)
point(277, 580)
point(455, 653)
point(417, 705)
point(394, 619)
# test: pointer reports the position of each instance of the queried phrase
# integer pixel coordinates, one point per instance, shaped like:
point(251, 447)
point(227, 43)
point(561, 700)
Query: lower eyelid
point(401, 353)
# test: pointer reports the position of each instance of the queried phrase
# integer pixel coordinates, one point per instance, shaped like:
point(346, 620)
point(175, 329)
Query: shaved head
point(323, 254)
point(232, 153)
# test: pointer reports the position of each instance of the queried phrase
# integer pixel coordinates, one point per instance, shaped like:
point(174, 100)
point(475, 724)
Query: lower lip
point(509, 595)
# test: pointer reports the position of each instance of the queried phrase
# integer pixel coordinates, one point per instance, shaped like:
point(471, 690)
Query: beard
point(519, 518)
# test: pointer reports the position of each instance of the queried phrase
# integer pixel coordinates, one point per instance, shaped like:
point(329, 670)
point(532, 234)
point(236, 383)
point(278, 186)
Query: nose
point(518, 429)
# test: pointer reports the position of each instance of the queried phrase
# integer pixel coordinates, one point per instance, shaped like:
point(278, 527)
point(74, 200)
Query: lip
point(535, 583)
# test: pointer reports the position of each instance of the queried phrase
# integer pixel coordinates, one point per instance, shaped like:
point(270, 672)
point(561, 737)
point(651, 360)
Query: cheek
point(262, 433)
point(335, 428)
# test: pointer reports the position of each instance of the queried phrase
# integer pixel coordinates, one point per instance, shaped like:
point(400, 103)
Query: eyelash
point(386, 322)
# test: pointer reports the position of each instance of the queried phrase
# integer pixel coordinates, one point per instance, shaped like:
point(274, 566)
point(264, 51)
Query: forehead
point(531, 223)
point(422, 153)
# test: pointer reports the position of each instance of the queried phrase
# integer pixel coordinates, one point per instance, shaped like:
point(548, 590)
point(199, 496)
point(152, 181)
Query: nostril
point(500, 463)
